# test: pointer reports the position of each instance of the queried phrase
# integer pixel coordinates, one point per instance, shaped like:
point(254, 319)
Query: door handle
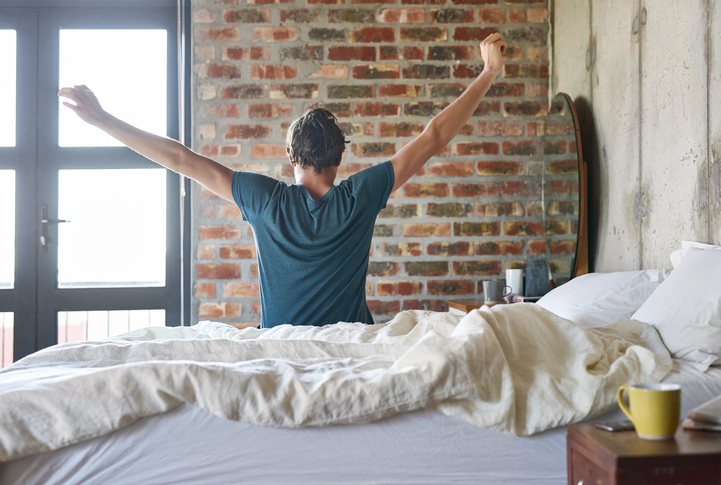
point(44, 221)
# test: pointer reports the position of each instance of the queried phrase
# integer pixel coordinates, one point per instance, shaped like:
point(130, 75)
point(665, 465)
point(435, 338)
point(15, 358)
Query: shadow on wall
point(589, 142)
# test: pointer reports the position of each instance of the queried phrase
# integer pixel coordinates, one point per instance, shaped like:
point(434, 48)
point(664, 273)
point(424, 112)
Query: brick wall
point(384, 67)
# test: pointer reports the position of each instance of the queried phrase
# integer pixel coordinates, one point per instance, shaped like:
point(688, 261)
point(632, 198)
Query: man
point(313, 238)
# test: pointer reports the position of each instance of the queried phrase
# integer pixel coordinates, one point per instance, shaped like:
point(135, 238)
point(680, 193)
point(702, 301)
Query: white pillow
point(679, 254)
point(686, 309)
point(597, 299)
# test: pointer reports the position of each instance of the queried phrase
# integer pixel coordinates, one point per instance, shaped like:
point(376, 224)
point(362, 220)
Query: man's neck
point(317, 184)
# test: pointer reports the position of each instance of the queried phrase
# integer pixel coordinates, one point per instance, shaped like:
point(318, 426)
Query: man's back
point(313, 253)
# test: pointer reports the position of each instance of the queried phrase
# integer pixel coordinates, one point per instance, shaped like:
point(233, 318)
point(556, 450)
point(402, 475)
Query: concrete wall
point(646, 80)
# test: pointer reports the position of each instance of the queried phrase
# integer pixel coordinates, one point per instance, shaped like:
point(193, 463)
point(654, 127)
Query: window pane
point(116, 233)
point(6, 339)
point(126, 69)
point(7, 228)
point(98, 325)
point(8, 90)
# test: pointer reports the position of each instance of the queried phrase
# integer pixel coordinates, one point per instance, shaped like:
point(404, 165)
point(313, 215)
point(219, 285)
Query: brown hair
point(315, 140)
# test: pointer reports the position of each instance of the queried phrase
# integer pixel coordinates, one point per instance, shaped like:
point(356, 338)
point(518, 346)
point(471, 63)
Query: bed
point(641, 325)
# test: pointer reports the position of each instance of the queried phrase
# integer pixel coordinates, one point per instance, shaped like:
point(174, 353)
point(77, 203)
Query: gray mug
point(494, 291)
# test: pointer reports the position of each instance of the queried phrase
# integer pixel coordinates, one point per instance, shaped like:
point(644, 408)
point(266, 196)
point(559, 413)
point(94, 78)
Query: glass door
point(99, 242)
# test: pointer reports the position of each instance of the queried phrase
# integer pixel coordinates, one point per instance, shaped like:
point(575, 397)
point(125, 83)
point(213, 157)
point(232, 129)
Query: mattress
point(190, 445)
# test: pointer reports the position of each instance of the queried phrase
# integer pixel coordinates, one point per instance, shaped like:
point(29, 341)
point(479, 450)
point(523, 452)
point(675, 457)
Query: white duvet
point(517, 368)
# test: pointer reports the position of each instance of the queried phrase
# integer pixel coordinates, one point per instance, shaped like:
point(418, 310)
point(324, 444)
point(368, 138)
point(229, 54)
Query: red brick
point(476, 229)
point(450, 169)
point(427, 229)
point(517, 15)
point(499, 209)
point(400, 288)
point(477, 34)
point(474, 2)
point(352, 15)
point(500, 128)
point(268, 151)
point(557, 228)
point(476, 268)
point(451, 16)
point(373, 149)
point(449, 287)
point(244, 91)
point(399, 129)
point(425, 190)
point(399, 90)
point(247, 16)
point(247, 132)
point(400, 249)
point(258, 71)
point(204, 290)
point(537, 53)
point(237, 251)
point(426, 268)
point(525, 228)
point(500, 168)
point(378, 307)
point(475, 148)
point(219, 310)
point(228, 110)
point(537, 15)
point(299, 15)
point(254, 53)
point(556, 187)
point(497, 248)
point(511, 71)
point(205, 251)
point(566, 246)
point(424, 34)
point(372, 34)
point(357, 53)
point(207, 211)
point(241, 290)
point(377, 71)
point(372, 109)
point(275, 34)
point(400, 211)
point(215, 34)
point(219, 71)
point(382, 268)
point(293, 91)
point(219, 232)
point(513, 53)
point(521, 148)
point(556, 147)
point(270, 110)
point(356, 129)
point(217, 271)
point(478, 189)
point(520, 188)
point(402, 16)
point(426, 305)
point(450, 53)
point(445, 248)
point(562, 167)
point(537, 90)
point(449, 209)
point(492, 15)
point(536, 246)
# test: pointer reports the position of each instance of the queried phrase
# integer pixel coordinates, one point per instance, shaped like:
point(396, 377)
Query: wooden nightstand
point(597, 457)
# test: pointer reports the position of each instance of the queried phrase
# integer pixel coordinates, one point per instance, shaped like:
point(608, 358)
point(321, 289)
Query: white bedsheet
point(518, 369)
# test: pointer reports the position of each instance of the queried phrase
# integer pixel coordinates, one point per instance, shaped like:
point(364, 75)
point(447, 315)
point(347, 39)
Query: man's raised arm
point(162, 150)
point(446, 124)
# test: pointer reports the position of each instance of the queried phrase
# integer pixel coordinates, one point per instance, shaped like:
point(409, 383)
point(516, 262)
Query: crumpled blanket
point(516, 368)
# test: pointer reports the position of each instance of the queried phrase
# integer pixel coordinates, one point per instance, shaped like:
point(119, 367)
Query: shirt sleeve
point(252, 192)
point(374, 184)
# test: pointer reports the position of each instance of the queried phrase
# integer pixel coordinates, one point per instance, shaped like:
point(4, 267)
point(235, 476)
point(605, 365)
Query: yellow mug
point(655, 409)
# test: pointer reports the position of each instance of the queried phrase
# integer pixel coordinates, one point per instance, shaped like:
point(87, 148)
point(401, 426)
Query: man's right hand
point(492, 49)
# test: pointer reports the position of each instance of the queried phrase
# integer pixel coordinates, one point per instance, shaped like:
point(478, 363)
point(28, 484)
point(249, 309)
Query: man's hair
point(315, 140)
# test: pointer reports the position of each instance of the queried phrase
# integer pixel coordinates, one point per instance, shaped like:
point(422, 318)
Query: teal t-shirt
point(313, 254)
